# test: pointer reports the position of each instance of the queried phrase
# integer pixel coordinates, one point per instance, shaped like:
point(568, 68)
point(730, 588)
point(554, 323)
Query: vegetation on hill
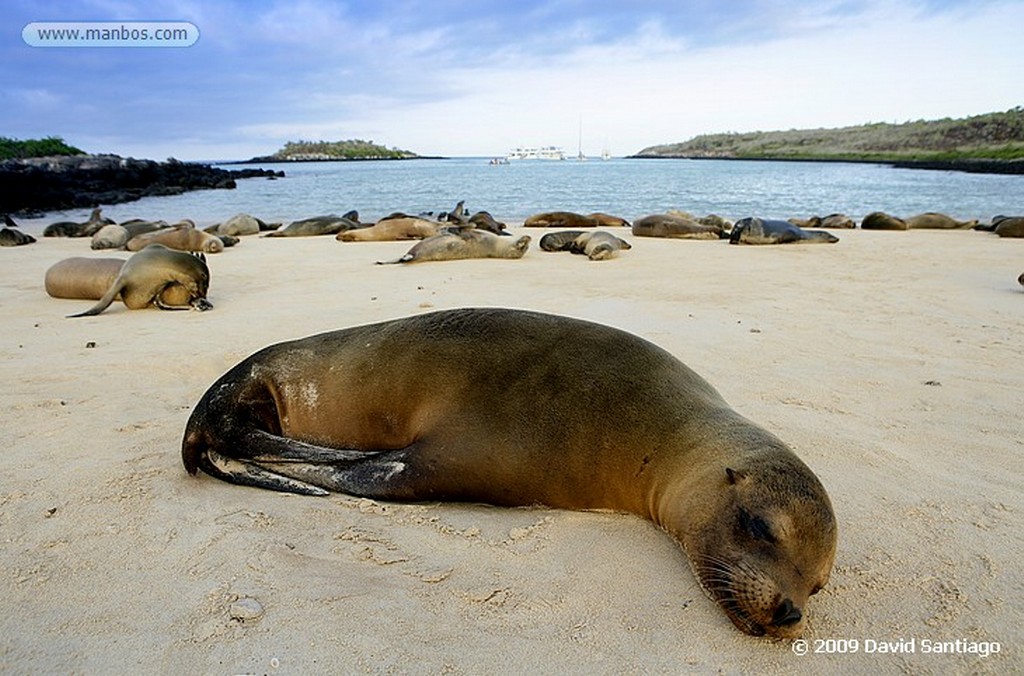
point(993, 136)
point(353, 149)
point(13, 149)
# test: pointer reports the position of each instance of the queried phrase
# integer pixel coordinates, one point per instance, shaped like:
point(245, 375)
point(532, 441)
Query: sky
point(479, 78)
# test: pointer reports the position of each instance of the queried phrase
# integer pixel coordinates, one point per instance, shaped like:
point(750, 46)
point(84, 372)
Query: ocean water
point(629, 188)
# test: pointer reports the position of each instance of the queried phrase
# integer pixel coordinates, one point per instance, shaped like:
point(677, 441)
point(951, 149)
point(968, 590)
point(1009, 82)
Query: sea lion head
point(770, 546)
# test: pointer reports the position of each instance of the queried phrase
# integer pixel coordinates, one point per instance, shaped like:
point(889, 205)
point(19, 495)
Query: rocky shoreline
point(29, 187)
point(971, 166)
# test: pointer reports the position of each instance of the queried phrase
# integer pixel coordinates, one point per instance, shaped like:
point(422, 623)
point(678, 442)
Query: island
point(989, 143)
point(334, 151)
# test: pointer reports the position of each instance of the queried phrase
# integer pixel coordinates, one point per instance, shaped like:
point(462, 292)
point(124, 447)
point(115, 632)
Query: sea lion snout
point(786, 614)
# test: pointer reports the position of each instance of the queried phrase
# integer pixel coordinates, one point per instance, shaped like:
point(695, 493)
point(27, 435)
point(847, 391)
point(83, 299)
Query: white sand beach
point(891, 362)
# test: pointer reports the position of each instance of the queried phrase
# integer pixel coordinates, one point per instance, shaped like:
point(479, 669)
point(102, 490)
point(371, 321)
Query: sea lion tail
point(104, 302)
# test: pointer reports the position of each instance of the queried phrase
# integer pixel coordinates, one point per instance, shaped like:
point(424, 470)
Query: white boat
point(545, 153)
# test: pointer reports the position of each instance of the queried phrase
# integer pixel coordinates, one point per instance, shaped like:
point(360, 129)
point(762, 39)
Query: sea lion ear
point(735, 476)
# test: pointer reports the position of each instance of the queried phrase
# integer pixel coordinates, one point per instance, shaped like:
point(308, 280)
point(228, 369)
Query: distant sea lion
point(674, 227)
point(391, 230)
point(15, 237)
point(459, 243)
point(331, 224)
point(936, 221)
point(597, 245)
point(609, 221)
point(137, 226)
point(560, 219)
point(766, 231)
point(484, 221)
point(11, 234)
point(1010, 226)
point(168, 279)
point(110, 237)
point(838, 222)
point(72, 229)
point(591, 417)
point(183, 236)
point(239, 225)
point(812, 222)
point(710, 219)
point(1020, 280)
point(878, 220)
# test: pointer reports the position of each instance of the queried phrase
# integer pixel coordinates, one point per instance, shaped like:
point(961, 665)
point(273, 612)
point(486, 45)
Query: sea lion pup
point(935, 221)
point(182, 236)
point(674, 227)
point(1008, 226)
point(157, 275)
point(560, 219)
point(391, 230)
point(766, 231)
point(597, 418)
point(110, 237)
point(331, 224)
point(459, 243)
point(878, 220)
point(597, 245)
point(484, 221)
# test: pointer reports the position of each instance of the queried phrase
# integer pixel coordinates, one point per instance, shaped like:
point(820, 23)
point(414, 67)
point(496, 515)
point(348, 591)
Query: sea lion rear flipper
point(104, 302)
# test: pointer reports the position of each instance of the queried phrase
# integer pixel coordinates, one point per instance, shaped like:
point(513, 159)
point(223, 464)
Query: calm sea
point(625, 187)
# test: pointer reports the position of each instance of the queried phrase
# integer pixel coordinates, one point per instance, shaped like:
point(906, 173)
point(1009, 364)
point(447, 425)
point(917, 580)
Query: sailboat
point(580, 157)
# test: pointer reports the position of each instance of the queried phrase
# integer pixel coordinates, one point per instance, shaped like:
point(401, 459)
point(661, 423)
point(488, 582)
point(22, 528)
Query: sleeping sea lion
point(459, 243)
point(591, 417)
point(674, 227)
point(766, 231)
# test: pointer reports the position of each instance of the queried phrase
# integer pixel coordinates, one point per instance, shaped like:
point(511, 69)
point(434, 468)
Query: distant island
point(991, 143)
point(321, 151)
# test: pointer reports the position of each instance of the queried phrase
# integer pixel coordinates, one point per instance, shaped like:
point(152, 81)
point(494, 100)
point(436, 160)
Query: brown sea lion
point(674, 227)
point(710, 219)
point(1009, 226)
point(609, 221)
point(157, 275)
point(592, 417)
point(459, 243)
point(183, 236)
point(767, 231)
point(878, 220)
point(597, 245)
point(560, 219)
point(138, 226)
point(936, 221)
point(82, 278)
point(391, 230)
